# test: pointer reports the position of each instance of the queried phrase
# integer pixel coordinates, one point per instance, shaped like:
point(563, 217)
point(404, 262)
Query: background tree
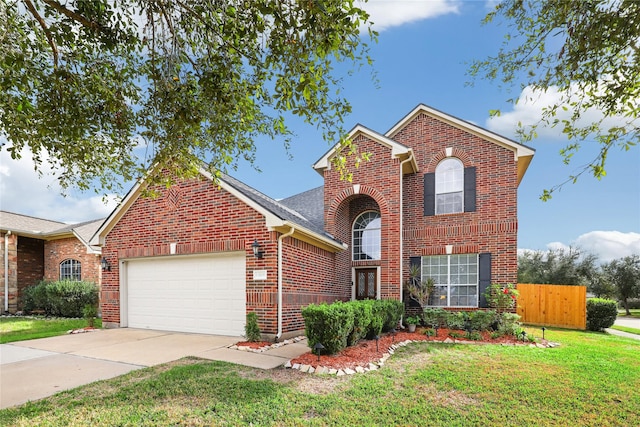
point(559, 267)
point(601, 286)
point(624, 273)
point(588, 52)
point(84, 83)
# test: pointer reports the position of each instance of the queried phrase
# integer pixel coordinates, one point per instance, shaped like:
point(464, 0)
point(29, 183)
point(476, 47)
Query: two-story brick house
point(437, 193)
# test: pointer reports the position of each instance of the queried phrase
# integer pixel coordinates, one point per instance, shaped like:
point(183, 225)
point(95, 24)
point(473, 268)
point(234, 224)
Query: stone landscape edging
point(372, 366)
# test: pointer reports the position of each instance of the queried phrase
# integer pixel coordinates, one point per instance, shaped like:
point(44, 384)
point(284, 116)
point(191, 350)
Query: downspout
point(410, 158)
point(280, 239)
point(6, 270)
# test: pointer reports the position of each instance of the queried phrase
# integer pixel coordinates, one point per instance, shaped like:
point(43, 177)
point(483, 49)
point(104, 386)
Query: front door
point(366, 283)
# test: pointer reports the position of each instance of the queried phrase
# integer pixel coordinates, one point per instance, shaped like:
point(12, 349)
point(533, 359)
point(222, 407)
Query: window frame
point(70, 269)
point(458, 182)
point(357, 252)
point(447, 294)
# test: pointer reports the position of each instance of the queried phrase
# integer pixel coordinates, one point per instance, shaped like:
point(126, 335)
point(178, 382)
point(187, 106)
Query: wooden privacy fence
point(553, 305)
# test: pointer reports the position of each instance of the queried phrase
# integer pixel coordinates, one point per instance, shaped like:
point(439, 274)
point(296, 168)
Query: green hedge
point(328, 324)
point(343, 324)
point(601, 313)
point(64, 298)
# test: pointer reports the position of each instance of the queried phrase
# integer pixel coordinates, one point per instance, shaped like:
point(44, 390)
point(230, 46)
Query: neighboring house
point(35, 249)
point(438, 193)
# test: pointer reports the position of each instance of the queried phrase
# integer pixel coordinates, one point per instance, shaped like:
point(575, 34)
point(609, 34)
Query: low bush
point(435, 317)
point(482, 320)
point(508, 324)
point(377, 318)
point(393, 310)
point(251, 328)
point(64, 298)
point(328, 324)
point(601, 313)
point(362, 318)
point(455, 320)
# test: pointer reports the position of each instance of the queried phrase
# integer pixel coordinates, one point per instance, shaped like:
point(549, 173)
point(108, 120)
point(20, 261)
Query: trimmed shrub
point(456, 320)
point(435, 317)
point(393, 310)
point(508, 323)
point(251, 329)
point(64, 298)
point(377, 318)
point(601, 313)
point(362, 317)
point(328, 324)
point(481, 320)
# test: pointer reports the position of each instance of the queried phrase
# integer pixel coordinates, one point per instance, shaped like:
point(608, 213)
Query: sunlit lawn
point(592, 379)
point(26, 328)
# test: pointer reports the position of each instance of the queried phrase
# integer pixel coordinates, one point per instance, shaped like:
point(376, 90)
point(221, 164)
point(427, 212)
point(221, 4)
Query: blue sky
point(422, 56)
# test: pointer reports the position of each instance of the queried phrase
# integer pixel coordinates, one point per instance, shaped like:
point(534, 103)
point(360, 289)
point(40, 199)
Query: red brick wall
point(30, 263)
point(491, 228)
point(60, 250)
point(307, 277)
point(379, 181)
point(202, 218)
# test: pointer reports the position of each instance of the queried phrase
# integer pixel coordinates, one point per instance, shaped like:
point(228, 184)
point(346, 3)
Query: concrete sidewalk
point(34, 369)
point(629, 322)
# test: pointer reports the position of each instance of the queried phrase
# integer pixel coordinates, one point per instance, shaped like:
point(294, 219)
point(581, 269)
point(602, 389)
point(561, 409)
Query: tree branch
point(47, 33)
point(73, 15)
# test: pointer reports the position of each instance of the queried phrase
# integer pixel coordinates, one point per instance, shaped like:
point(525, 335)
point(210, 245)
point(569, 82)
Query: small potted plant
point(411, 322)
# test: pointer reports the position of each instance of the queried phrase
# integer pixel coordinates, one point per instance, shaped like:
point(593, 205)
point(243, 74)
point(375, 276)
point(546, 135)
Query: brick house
point(438, 193)
point(35, 249)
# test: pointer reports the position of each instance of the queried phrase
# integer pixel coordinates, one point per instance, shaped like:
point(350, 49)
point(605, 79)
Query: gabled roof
point(398, 150)
point(523, 154)
point(278, 216)
point(45, 229)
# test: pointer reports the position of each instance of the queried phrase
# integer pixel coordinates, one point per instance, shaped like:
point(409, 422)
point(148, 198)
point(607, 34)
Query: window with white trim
point(366, 236)
point(455, 277)
point(71, 269)
point(449, 186)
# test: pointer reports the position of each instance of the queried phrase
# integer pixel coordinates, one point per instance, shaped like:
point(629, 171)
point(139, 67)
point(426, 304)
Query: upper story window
point(70, 269)
point(449, 186)
point(366, 236)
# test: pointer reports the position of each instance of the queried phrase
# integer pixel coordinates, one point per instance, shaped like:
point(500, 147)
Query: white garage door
point(201, 294)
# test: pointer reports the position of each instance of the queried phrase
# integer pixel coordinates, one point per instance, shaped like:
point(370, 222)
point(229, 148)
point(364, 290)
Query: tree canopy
point(84, 83)
point(587, 51)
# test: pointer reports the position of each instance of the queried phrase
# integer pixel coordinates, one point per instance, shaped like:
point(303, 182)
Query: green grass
point(626, 329)
point(635, 312)
point(28, 328)
point(592, 379)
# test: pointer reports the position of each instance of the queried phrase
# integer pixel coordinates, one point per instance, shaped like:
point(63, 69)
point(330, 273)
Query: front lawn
point(592, 379)
point(626, 329)
point(14, 328)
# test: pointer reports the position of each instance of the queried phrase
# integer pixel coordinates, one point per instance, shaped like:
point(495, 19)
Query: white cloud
point(529, 109)
point(386, 14)
point(606, 245)
point(22, 191)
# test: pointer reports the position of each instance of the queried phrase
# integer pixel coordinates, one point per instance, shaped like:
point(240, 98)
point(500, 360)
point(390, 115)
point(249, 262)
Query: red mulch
point(254, 344)
point(365, 351)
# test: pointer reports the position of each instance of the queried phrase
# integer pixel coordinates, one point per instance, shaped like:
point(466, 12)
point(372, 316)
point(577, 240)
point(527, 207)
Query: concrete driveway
point(31, 370)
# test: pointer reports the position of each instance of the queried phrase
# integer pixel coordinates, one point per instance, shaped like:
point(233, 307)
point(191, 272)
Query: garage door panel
point(189, 294)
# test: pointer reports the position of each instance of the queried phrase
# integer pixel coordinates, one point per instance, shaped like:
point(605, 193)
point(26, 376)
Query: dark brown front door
point(366, 283)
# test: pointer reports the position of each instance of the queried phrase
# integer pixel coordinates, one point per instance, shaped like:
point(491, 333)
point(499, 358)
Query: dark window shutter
point(484, 277)
point(429, 194)
point(470, 189)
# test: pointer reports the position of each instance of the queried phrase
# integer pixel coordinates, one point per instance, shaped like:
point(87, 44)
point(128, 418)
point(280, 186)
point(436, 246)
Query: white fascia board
point(397, 149)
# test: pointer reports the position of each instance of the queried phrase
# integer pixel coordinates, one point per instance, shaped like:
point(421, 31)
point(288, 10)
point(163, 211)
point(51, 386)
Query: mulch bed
point(366, 351)
point(369, 352)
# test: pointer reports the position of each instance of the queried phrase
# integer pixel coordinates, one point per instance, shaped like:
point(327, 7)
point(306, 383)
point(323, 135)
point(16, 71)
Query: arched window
point(70, 269)
point(366, 236)
point(449, 186)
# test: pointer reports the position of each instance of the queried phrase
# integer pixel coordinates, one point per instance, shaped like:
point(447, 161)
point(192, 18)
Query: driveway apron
point(34, 369)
